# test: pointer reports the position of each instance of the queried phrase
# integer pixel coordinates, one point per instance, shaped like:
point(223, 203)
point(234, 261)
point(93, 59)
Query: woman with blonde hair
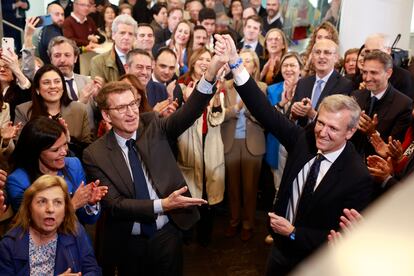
point(244, 146)
point(275, 46)
point(46, 238)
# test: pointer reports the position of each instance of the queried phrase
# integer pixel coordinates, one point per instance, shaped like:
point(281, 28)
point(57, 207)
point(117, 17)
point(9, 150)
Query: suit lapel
point(119, 163)
point(329, 86)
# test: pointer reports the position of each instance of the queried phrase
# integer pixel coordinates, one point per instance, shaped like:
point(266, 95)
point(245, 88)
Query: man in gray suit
point(148, 202)
point(63, 53)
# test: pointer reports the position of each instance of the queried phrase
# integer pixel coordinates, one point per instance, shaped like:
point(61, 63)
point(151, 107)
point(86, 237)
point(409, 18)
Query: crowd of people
point(184, 109)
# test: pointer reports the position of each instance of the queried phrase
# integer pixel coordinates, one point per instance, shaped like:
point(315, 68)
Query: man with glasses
point(311, 90)
point(148, 203)
point(81, 28)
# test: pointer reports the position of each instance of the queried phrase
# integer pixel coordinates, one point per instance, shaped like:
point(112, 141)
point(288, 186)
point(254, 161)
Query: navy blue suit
point(156, 92)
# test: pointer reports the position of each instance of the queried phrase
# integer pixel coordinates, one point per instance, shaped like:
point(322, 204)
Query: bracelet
point(237, 64)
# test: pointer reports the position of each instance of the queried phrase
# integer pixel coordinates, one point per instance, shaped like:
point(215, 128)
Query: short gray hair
point(338, 102)
point(124, 19)
point(57, 40)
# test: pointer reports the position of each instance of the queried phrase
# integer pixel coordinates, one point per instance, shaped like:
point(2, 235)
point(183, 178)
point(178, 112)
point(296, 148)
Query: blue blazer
point(156, 92)
point(19, 181)
point(72, 251)
point(274, 95)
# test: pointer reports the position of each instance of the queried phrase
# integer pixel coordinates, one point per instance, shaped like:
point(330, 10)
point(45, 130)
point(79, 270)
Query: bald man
point(311, 90)
point(48, 32)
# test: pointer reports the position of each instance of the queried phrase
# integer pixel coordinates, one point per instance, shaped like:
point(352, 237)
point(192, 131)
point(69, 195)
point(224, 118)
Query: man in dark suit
point(273, 18)
point(386, 110)
point(311, 90)
point(401, 79)
point(315, 186)
point(257, 5)
point(148, 203)
point(251, 31)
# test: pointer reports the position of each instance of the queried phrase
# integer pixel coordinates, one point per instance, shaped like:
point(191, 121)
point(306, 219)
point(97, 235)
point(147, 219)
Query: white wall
point(359, 18)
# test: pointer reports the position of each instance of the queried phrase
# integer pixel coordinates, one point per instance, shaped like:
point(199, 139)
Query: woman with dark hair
point(109, 13)
point(41, 149)
point(236, 13)
point(46, 238)
point(50, 98)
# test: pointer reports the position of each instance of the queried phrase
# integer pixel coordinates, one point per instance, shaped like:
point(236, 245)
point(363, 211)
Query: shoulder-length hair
point(255, 58)
point(133, 80)
point(193, 58)
point(172, 42)
point(23, 217)
point(37, 135)
point(39, 107)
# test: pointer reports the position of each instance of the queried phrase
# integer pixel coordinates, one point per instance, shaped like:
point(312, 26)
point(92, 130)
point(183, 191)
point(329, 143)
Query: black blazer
point(403, 81)
point(336, 84)
point(394, 117)
point(104, 160)
point(336, 191)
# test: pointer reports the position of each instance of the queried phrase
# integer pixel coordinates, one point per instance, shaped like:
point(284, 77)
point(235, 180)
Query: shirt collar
point(379, 95)
point(325, 78)
point(332, 156)
point(122, 141)
point(121, 55)
point(253, 45)
point(72, 77)
point(78, 19)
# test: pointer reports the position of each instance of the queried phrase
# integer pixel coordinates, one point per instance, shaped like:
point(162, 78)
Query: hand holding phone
point(7, 44)
point(44, 20)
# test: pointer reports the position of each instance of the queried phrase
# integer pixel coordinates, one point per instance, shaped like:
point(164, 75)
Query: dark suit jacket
point(156, 92)
point(336, 191)
point(403, 81)
point(394, 116)
point(336, 84)
point(104, 160)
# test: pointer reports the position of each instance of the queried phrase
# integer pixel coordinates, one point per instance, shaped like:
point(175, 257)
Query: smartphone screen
point(44, 20)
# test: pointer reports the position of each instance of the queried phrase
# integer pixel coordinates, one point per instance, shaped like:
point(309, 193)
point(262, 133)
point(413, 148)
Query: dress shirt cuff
point(205, 86)
point(92, 210)
point(384, 184)
point(25, 85)
point(158, 206)
point(241, 78)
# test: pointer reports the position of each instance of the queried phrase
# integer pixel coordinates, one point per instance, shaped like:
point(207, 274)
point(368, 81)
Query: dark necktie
point(247, 46)
point(372, 102)
point(140, 183)
point(72, 90)
point(310, 183)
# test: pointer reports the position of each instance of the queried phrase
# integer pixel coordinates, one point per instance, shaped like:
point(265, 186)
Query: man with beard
point(273, 18)
point(48, 32)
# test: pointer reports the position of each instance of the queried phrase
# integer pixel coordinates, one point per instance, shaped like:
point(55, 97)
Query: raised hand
point(176, 200)
point(170, 89)
point(3, 177)
point(379, 168)
point(10, 131)
point(29, 30)
point(366, 124)
point(98, 192)
point(65, 125)
point(379, 145)
point(395, 149)
point(188, 90)
point(81, 196)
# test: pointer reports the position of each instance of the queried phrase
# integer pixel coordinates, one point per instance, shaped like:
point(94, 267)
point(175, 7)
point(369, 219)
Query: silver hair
point(338, 102)
point(124, 19)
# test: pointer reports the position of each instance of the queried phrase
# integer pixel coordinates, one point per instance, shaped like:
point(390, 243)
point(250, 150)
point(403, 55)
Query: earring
point(37, 92)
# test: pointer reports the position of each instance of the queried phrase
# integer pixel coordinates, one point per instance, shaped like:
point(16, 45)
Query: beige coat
point(75, 116)
point(190, 156)
point(255, 138)
point(104, 66)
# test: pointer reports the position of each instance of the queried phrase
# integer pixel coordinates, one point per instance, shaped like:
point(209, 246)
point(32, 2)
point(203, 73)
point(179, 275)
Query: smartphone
point(44, 20)
point(7, 43)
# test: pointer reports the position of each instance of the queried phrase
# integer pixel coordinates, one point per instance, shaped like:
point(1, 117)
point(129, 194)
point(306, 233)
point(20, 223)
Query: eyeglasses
point(122, 109)
point(324, 52)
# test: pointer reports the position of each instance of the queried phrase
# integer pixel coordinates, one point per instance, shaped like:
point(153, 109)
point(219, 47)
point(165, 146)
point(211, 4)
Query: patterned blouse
point(42, 257)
